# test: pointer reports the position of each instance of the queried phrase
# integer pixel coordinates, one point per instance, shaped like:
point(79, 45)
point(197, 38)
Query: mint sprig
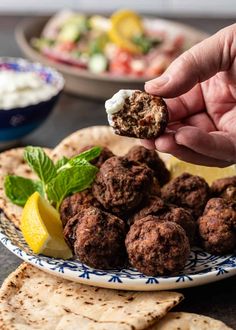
point(57, 181)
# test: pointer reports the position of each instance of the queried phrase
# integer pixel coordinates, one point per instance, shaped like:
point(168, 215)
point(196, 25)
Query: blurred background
point(73, 112)
point(178, 8)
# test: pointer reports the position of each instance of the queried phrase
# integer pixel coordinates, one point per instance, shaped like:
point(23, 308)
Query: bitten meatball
point(157, 248)
point(188, 191)
point(217, 226)
point(72, 204)
point(137, 114)
point(152, 160)
point(104, 155)
point(225, 188)
point(97, 238)
point(120, 185)
point(166, 212)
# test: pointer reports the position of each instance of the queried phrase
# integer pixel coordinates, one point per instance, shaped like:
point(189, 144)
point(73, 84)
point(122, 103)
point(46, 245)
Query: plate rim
point(138, 284)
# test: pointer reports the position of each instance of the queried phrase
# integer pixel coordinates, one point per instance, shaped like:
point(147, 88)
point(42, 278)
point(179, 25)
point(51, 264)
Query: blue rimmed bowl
point(20, 121)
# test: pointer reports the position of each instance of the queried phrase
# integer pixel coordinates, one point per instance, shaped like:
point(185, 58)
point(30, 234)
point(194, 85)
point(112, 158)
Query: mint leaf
point(40, 163)
point(19, 189)
point(70, 180)
point(87, 155)
point(82, 158)
point(61, 162)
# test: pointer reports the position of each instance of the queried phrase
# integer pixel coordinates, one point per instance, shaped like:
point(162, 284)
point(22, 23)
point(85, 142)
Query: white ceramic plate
point(201, 267)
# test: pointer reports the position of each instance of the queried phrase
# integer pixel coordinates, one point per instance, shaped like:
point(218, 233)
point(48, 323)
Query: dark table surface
point(218, 299)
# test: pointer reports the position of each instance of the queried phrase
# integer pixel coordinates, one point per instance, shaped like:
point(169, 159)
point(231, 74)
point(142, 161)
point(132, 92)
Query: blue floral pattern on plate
point(201, 267)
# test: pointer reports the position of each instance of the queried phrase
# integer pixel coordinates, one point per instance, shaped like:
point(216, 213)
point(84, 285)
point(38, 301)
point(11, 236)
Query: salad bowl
point(81, 81)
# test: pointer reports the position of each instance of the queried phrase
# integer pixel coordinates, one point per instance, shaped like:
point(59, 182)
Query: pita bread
point(12, 162)
point(95, 135)
point(32, 299)
point(189, 321)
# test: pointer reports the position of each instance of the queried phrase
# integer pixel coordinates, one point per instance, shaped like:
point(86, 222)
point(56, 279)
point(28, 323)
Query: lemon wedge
point(210, 174)
point(42, 228)
point(125, 25)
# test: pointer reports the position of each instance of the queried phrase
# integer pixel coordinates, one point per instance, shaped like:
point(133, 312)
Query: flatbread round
point(188, 321)
point(12, 162)
point(32, 299)
point(95, 135)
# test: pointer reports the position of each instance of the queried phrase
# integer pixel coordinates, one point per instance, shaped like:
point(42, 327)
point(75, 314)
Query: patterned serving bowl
point(18, 122)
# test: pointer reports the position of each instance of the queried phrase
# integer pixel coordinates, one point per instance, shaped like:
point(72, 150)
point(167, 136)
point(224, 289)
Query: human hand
point(200, 87)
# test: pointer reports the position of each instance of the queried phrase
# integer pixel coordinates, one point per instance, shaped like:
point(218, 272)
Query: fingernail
point(158, 82)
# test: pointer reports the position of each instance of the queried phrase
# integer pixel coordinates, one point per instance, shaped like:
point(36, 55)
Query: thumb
point(197, 64)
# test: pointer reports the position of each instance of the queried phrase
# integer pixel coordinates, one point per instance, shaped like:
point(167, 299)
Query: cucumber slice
point(70, 32)
point(97, 63)
point(73, 28)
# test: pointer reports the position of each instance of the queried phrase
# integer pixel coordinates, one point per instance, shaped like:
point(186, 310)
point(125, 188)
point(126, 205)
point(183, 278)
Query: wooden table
point(217, 299)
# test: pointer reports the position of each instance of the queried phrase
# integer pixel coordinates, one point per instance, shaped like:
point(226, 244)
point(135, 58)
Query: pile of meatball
point(134, 216)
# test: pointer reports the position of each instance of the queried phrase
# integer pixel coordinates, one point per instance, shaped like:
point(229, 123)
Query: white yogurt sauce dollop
point(116, 103)
point(20, 89)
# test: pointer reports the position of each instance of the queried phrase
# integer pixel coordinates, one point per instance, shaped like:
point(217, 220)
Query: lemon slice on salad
point(125, 25)
point(42, 228)
point(210, 174)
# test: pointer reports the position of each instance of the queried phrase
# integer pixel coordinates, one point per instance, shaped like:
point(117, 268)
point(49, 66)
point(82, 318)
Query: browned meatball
point(142, 115)
point(97, 238)
point(104, 155)
point(120, 185)
point(156, 206)
point(157, 248)
point(217, 226)
point(155, 188)
point(72, 204)
point(183, 218)
point(188, 191)
point(153, 205)
point(151, 159)
point(225, 188)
